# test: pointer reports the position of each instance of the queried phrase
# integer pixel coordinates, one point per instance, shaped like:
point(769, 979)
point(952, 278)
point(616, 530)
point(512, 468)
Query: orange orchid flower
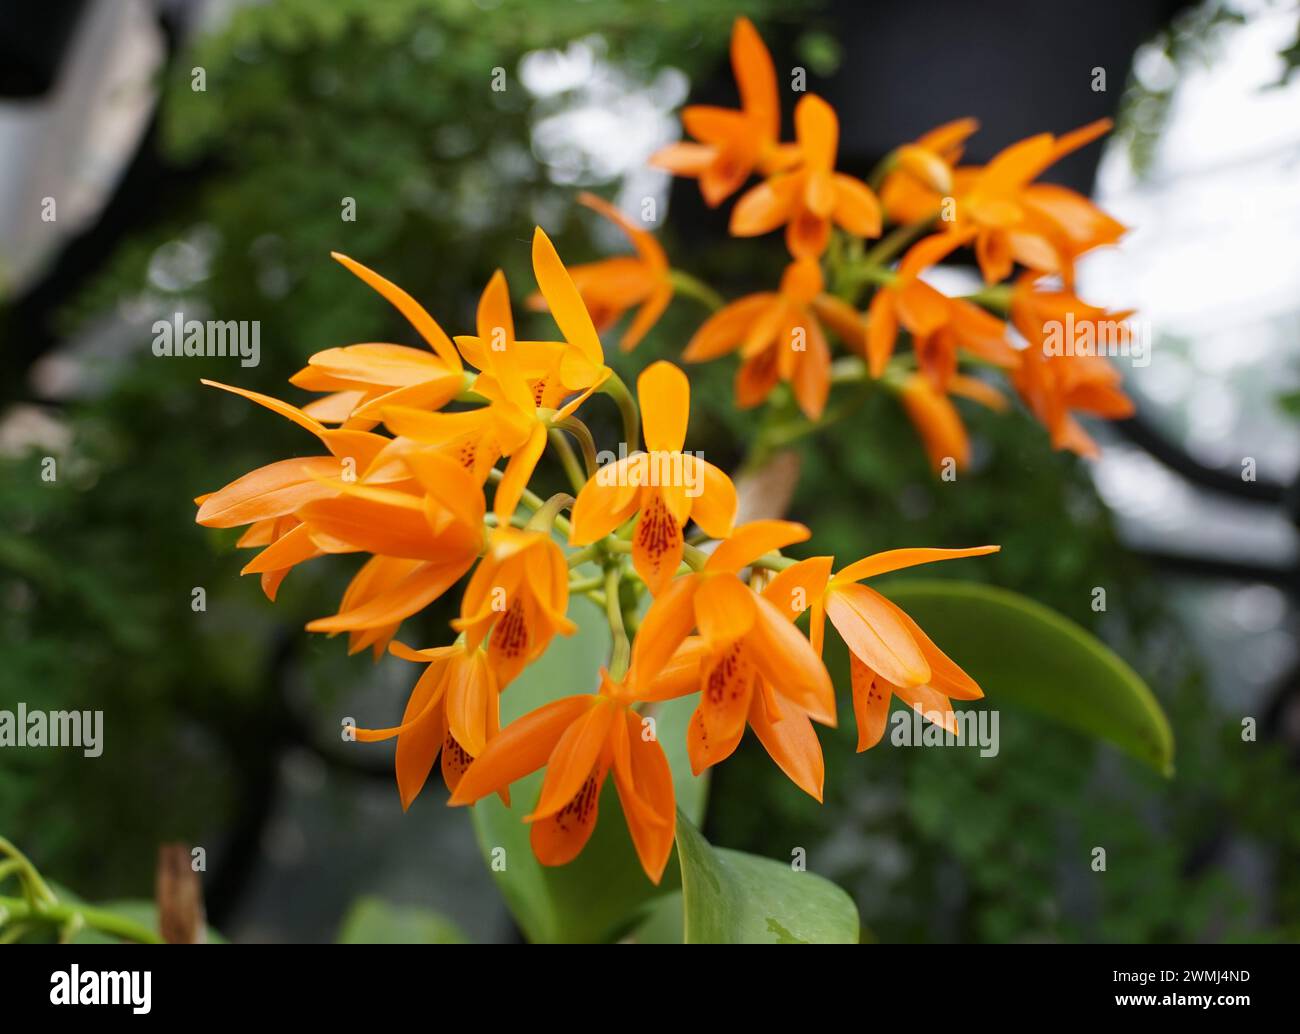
point(664, 487)
point(554, 370)
point(422, 544)
point(779, 338)
point(939, 325)
point(452, 710)
point(613, 286)
point(263, 533)
point(781, 724)
point(922, 176)
point(364, 378)
point(267, 499)
point(936, 419)
point(745, 642)
point(733, 144)
point(1055, 384)
point(812, 197)
point(522, 380)
point(579, 739)
point(1043, 227)
point(888, 652)
point(512, 423)
point(519, 593)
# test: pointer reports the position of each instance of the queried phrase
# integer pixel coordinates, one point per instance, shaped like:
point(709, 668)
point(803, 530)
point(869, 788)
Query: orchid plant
point(701, 610)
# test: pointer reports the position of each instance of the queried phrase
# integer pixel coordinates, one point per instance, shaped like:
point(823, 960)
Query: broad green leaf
point(600, 895)
point(372, 920)
point(736, 898)
point(1023, 654)
point(663, 922)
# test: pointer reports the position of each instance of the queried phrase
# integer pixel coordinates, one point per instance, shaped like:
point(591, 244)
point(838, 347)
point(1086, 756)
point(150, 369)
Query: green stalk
point(59, 914)
point(584, 585)
point(568, 460)
point(774, 562)
point(694, 557)
point(897, 240)
point(627, 407)
point(621, 651)
point(585, 554)
point(685, 284)
point(996, 298)
point(34, 886)
point(532, 501)
point(582, 435)
point(547, 515)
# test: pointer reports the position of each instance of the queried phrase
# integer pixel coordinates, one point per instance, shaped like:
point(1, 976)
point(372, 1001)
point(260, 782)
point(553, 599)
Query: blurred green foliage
point(390, 104)
point(305, 104)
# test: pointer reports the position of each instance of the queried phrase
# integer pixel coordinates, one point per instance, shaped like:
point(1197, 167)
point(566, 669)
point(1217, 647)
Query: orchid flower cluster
point(414, 442)
point(721, 623)
point(935, 207)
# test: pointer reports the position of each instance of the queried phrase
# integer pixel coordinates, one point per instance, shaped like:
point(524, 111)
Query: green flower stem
point(685, 284)
point(582, 434)
point(694, 557)
point(996, 298)
point(872, 268)
point(896, 241)
point(627, 407)
point(621, 651)
point(547, 515)
point(585, 554)
point(774, 562)
point(568, 460)
point(56, 913)
point(532, 501)
point(584, 585)
point(35, 887)
point(849, 369)
point(787, 427)
point(15, 933)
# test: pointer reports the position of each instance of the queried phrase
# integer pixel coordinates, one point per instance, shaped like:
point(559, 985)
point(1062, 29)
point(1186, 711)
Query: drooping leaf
point(736, 898)
point(1025, 655)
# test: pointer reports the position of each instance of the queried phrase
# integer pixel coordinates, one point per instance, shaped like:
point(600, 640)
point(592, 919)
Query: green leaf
point(737, 898)
point(1023, 654)
point(663, 922)
point(602, 893)
point(372, 920)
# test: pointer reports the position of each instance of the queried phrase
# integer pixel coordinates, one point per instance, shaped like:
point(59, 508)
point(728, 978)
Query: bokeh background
point(222, 726)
